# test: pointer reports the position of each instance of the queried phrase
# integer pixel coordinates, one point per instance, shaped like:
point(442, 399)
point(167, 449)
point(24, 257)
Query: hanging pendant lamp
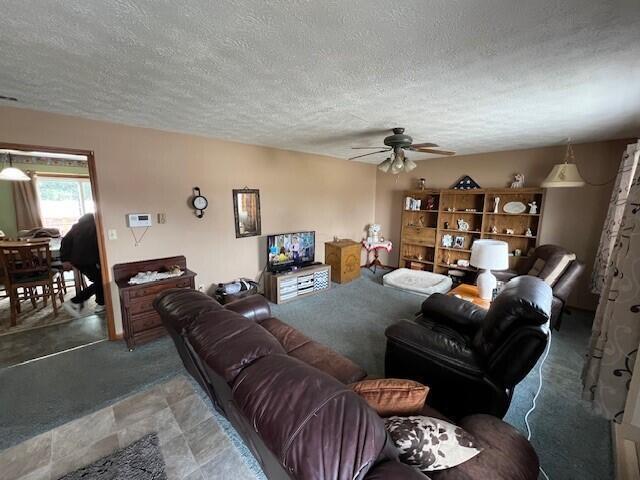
point(564, 174)
point(13, 174)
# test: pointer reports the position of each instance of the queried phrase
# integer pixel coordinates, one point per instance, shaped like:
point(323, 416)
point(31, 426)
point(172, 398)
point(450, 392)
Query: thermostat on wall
point(135, 220)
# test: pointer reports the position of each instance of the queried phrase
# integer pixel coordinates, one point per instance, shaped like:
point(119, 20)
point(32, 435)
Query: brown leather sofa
point(562, 287)
point(287, 397)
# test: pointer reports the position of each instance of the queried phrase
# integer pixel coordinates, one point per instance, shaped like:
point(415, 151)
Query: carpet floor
point(351, 319)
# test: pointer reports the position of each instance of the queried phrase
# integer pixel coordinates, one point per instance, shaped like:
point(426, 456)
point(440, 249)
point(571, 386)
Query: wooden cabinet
point(140, 321)
point(344, 258)
point(431, 235)
point(284, 287)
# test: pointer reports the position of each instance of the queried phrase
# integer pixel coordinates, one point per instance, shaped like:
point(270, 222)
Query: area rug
point(41, 316)
point(142, 460)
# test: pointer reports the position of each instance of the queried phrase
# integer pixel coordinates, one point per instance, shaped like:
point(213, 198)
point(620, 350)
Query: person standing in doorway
point(80, 248)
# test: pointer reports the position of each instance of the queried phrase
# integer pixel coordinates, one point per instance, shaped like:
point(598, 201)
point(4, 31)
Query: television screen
point(288, 250)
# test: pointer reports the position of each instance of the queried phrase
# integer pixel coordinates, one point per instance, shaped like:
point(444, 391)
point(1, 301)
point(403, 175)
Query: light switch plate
point(112, 233)
point(162, 218)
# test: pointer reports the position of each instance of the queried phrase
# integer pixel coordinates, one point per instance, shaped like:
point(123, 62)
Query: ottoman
point(417, 281)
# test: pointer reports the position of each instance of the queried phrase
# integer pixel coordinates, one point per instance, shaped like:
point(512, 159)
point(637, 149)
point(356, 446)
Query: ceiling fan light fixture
point(385, 165)
point(397, 165)
point(409, 165)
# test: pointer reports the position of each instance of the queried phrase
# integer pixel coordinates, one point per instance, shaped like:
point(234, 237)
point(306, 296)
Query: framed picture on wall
point(246, 212)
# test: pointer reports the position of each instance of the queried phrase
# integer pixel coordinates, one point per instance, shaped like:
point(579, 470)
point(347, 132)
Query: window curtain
point(626, 173)
point(27, 204)
point(616, 328)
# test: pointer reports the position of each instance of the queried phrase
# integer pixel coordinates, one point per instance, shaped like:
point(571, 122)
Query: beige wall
point(573, 217)
point(143, 170)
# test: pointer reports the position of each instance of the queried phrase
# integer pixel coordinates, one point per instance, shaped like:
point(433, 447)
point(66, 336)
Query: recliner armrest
point(505, 275)
point(461, 315)
point(253, 307)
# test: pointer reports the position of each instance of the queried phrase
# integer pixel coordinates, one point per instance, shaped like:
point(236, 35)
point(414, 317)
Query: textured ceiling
point(321, 76)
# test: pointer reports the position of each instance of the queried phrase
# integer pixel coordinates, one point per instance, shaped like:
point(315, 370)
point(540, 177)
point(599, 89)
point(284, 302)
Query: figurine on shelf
point(431, 203)
point(496, 205)
point(422, 184)
point(518, 181)
point(462, 225)
point(517, 252)
point(494, 229)
point(508, 231)
point(528, 233)
point(533, 208)
point(420, 222)
point(446, 225)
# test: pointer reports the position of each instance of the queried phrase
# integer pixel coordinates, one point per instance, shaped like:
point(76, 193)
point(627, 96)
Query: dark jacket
point(80, 245)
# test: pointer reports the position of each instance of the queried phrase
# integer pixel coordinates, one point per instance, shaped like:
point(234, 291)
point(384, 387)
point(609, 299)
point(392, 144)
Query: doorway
point(51, 299)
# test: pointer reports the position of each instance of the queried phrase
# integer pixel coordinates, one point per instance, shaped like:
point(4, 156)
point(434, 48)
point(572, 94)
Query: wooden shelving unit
point(422, 230)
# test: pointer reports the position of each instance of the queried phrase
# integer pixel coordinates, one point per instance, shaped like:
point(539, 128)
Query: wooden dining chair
point(28, 267)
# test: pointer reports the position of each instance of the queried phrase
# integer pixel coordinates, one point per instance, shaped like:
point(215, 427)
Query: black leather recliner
point(472, 358)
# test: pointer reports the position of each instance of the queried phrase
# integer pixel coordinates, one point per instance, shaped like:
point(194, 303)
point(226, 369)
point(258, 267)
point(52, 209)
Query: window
point(63, 200)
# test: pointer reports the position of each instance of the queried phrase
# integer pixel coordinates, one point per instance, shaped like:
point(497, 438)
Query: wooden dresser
point(141, 323)
point(344, 258)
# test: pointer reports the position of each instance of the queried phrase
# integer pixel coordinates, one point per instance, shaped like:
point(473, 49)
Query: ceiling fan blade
point(372, 153)
point(365, 148)
point(415, 146)
point(434, 151)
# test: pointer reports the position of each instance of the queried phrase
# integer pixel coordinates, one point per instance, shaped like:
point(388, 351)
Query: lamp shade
point(14, 174)
point(563, 175)
point(384, 166)
point(490, 255)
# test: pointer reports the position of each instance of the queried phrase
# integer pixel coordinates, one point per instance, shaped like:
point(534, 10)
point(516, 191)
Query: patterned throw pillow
point(429, 443)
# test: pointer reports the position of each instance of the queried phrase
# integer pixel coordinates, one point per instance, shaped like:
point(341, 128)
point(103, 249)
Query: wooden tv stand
point(301, 283)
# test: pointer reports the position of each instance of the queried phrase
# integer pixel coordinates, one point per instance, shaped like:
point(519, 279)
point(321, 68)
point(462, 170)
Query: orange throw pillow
point(392, 396)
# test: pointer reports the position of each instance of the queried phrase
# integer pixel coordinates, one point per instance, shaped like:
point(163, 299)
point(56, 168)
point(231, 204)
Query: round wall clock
point(199, 202)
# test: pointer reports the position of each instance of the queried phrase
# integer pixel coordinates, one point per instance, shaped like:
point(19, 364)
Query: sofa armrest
point(253, 307)
point(562, 288)
point(505, 275)
point(461, 315)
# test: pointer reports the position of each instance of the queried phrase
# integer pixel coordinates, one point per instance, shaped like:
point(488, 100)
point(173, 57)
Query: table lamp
point(489, 255)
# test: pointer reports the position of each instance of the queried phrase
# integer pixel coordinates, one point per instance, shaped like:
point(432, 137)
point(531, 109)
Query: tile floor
point(20, 347)
point(193, 444)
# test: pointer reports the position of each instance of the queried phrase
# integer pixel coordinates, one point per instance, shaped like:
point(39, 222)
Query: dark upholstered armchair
point(550, 259)
point(472, 358)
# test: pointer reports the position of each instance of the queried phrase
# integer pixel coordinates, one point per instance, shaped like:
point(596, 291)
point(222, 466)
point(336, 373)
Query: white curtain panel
point(616, 329)
point(626, 174)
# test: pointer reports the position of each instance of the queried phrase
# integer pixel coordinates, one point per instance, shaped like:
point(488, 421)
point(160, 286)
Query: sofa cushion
point(181, 307)
point(506, 454)
point(323, 358)
point(316, 426)
point(392, 396)
point(228, 342)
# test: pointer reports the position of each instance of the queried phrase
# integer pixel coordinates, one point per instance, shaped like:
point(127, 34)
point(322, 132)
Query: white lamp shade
point(14, 174)
point(490, 255)
point(563, 175)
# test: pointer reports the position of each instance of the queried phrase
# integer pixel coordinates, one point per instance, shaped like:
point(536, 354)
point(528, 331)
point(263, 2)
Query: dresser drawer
point(145, 321)
point(141, 305)
point(153, 290)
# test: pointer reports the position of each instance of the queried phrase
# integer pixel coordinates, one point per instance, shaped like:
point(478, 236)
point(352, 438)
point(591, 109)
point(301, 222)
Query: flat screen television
point(288, 250)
